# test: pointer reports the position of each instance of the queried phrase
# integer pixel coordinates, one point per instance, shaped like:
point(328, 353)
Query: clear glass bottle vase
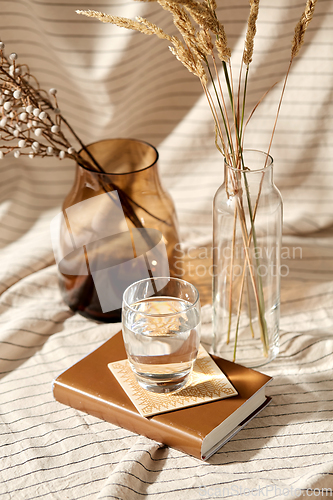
point(247, 230)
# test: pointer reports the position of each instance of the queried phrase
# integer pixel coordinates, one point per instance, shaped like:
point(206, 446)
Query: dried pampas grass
point(302, 26)
point(202, 34)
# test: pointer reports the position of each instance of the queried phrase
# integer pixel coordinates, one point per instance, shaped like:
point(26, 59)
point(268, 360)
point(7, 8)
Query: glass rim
point(125, 140)
point(169, 278)
point(256, 170)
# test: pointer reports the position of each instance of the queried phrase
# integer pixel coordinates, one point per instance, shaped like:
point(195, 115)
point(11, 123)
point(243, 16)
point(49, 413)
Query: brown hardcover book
point(199, 430)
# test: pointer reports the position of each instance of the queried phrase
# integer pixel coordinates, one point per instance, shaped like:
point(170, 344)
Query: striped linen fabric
point(116, 83)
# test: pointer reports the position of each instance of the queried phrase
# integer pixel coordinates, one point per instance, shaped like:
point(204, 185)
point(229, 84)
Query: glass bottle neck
point(251, 177)
point(254, 169)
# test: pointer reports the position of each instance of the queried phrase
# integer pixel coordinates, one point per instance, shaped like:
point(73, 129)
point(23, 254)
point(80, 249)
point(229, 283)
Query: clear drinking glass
point(161, 331)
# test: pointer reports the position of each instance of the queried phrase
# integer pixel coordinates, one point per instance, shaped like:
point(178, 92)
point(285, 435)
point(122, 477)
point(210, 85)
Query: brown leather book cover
point(200, 430)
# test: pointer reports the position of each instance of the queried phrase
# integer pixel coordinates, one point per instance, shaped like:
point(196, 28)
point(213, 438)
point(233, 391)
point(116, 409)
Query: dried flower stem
point(141, 25)
point(231, 273)
point(249, 306)
point(214, 113)
point(247, 57)
point(223, 111)
point(302, 26)
point(297, 43)
point(251, 32)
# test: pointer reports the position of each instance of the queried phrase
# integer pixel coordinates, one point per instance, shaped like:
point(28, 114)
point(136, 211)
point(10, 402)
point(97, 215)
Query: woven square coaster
point(206, 383)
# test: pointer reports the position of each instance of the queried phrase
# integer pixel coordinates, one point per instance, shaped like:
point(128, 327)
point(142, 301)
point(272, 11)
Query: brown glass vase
point(116, 227)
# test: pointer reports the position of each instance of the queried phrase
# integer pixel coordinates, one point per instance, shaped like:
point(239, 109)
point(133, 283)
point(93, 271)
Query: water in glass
point(162, 337)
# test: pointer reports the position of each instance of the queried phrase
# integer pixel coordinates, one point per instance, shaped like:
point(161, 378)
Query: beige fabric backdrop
point(114, 83)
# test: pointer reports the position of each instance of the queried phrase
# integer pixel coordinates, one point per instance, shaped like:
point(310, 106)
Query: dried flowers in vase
point(32, 125)
point(203, 46)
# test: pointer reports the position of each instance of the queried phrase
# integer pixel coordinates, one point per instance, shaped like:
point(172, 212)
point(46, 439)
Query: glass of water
point(161, 331)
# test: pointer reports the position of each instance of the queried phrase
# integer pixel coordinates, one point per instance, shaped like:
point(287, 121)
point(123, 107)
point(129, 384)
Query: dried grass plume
point(202, 34)
point(302, 26)
point(251, 32)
